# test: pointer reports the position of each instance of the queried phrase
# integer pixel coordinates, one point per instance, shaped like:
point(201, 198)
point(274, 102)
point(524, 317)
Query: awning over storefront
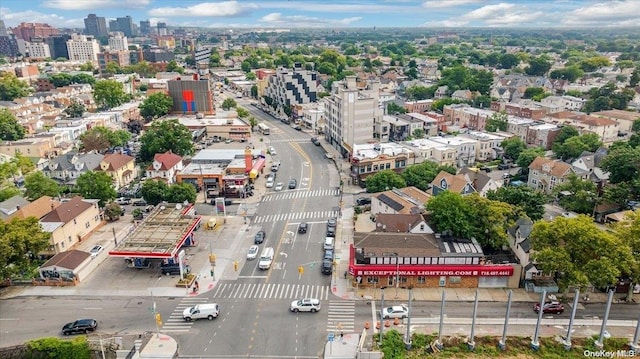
point(431, 270)
point(257, 166)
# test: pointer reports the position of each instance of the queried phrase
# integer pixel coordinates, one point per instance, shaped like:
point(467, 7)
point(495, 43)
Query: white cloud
point(276, 19)
point(94, 4)
point(502, 14)
point(219, 9)
point(15, 18)
point(610, 13)
point(153, 21)
point(448, 3)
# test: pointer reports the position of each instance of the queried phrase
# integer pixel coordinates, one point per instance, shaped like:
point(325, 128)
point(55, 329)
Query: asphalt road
point(255, 319)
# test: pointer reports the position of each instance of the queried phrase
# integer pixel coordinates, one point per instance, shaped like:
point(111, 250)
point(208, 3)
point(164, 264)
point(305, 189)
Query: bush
point(76, 348)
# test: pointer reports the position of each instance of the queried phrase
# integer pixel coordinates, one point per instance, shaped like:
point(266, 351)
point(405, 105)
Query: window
point(87, 225)
point(69, 238)
point(422, 226)
point(388, 166)
point(421, 280)
point(372, 280)
point(403, 280)
point(455, 280)
point(74, 221)
point(534, 181)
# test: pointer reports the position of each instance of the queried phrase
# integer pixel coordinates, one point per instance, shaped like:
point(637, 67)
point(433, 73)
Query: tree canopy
point(20, 242)
point(100, 138)
point(622, 163)
point(421, 175)
point(75, 109)
point(583, 198)
point(12, 87)
point(384, 181)
point(156, 105)
point(163, 136)
point(628, 231)
point(96, 185)
point(524, 198)
point(497, 122)
point(109, 94)
point(10, 128)
point(38, 185)
point(579, 253)
point(155, 192)
point(228, 103)
point(513, 147)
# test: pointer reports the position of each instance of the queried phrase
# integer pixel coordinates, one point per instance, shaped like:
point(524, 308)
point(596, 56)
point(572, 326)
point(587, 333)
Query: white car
point(96, 250)
point(272, 151)
point(279, 186)
point(270, 183)
point(305, 305)
point(253, 252)
point(397, 311)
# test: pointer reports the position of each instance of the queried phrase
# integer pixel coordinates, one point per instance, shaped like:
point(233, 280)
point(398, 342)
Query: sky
point(333, 13)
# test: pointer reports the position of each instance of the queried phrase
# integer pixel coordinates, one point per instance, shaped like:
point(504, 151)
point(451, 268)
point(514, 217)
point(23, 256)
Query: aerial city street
point(337, 179)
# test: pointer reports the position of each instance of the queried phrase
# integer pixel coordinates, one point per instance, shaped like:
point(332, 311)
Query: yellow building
point(29, 147)
point(121, 168)
point(70, 223)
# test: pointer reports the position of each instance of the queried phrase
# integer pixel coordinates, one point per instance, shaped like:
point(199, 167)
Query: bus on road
point(264, 129)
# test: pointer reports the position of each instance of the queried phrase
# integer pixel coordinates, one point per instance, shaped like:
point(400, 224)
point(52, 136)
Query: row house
point(545, 174)
point(70, 223)
point(566, 103)
point(164, 167)
point(68, 167)
point(421, 106)
point(401, 127)
point(488, 146)
point(427, 150)
point(542, 135)
point(466, 149)
point(429, 124)
point(72, 128)
point(518, 110)
point(606, 129)
point(29, 147)
point(625, 119)
point(519, 126)
point(465, 116)
point(368, 159)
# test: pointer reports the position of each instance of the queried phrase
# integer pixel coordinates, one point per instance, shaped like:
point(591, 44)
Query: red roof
point(167, 159)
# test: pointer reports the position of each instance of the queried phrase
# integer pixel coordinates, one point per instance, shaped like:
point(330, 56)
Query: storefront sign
point(427, 271)
point(238, 129)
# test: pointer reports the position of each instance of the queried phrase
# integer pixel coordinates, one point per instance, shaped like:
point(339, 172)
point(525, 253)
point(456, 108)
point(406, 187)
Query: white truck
point(266, 258)
point(200, 311)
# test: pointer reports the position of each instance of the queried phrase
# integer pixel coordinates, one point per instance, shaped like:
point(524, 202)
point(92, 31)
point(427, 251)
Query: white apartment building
point(83, 48)
point(313, 116)
point(488, 144)
point(566, 103)
point(38, 50)
point(289, 87)
point(118, 42)
point(352, 115)
point(427, 150)
point(466, 149)
point(519, 126)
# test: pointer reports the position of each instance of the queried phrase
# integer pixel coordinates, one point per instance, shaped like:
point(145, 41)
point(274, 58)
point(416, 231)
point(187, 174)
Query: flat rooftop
point(160, 235)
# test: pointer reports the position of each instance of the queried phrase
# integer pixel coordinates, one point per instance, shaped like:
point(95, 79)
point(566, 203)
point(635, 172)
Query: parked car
point(275, 167)
point(228, 140)
point(279, 186)
point(259, 238)
point(123, 201)
point(173, 269)
point(363, 201)
point(485, 168)
point(140, 203)
point(504, 166)
point(326, 267)
point(315, 141)
point(331, 231)
point(328, 255)
point(554, 307)
point(305, 305)
point(302, 228)
point(253, 252)
point(293, 183)
point(396, 311)
point(332, 222)
point(297, 128)
point(96, 250)
point(272, 151)
point(80, 326)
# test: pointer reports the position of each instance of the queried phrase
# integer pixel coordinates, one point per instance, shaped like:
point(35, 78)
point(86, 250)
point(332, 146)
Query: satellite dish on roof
point(178, 206)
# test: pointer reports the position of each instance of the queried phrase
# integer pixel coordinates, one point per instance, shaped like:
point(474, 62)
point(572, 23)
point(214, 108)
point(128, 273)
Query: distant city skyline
point(590, 14)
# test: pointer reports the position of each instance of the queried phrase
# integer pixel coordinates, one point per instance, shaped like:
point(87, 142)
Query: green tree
point(531, 92)
point(96, 185)
point(622, 163)
point(384, 181)
point(565, 133)
point(583, 198)
point(109, 93)
point(628, 232)
point(513, 147)
point(489, 220)
point(245, 66)
point(526, 199)
point(100, 138)
point(12, 87)
point(7, 191)
point(20, 242)
point(395, 109)
point(61, 79)
point(242, 113)
point(83, 79)
point(250, 76)
point(254, 91)
point(163, 136)
point(75, 109)
point(417, 92)
point(421, 175)
point(228, 103)
point(635, 77)
point(181, 192)
point(113, 211)
point(87, 66)
point(450, 212)
point(52, 347)
point(497, 122)
point(38, 185)
point(156, 105)
point(112, 67)
point(10, 129)
point(253, 122)
point(571, 248)
point(527, 156)
point(538, 66)
point(155, 192)
point(571, 148)
point(173, 66)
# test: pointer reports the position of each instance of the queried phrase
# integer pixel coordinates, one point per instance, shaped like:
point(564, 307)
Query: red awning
point(408, 270)
point(259, 164)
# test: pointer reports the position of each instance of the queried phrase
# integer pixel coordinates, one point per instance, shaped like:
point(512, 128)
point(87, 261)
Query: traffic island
point(187, 282)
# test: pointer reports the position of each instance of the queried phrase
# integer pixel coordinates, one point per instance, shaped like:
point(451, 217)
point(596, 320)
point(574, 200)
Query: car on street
point(80, 326)
point(363, 201)
point(259, 238)
point(504, 166)
point(293, 183)
point(485, 169)
point(328, 254)
point(302, 228)
point(228, 140)
point(326, 267)
point(123, 201)
point(396, 311)
point(279, 186)
point(315, 141)
point(332, 222)
point(297, 128)
point(331, 232)
point(96, 250)
point(272, 151)
point(140, 203)
point(328, 155)
point(253, 252)
point(275, 167)
point(305, 305)
point(270, 182)
point(550, 307)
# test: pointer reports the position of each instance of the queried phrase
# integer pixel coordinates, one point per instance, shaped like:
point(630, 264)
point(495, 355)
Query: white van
point(328, 243)
point(200, 311)
point(266, 258)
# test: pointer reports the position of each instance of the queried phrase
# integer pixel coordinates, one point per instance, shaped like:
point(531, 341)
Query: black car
point(173, 269)
point(327, 266)
point(259, 238)
point(140, 203)
point(293, 183)
point(363, 201)
point(302, 228)
point(486, 169)
point(80, 326)
point(315, 141)
point(331, 231)
point(328, 255)
point(504, 166)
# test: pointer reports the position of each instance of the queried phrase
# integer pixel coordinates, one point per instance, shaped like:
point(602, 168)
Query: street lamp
point(155, 314)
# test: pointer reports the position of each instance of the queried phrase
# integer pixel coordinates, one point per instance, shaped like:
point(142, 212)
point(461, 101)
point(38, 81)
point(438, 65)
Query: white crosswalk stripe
point(278, 196)
point(269, 291)
point(288, 140)
point(294, 216)
point(175, 323)
point(341, 316)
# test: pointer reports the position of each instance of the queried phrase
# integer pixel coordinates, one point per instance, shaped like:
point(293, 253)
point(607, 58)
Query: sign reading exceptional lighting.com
point(503, 271)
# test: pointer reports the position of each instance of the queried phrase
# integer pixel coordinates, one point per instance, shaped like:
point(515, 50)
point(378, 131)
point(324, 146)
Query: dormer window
point(546, 168)
point(443, 184)
point(157, 165)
